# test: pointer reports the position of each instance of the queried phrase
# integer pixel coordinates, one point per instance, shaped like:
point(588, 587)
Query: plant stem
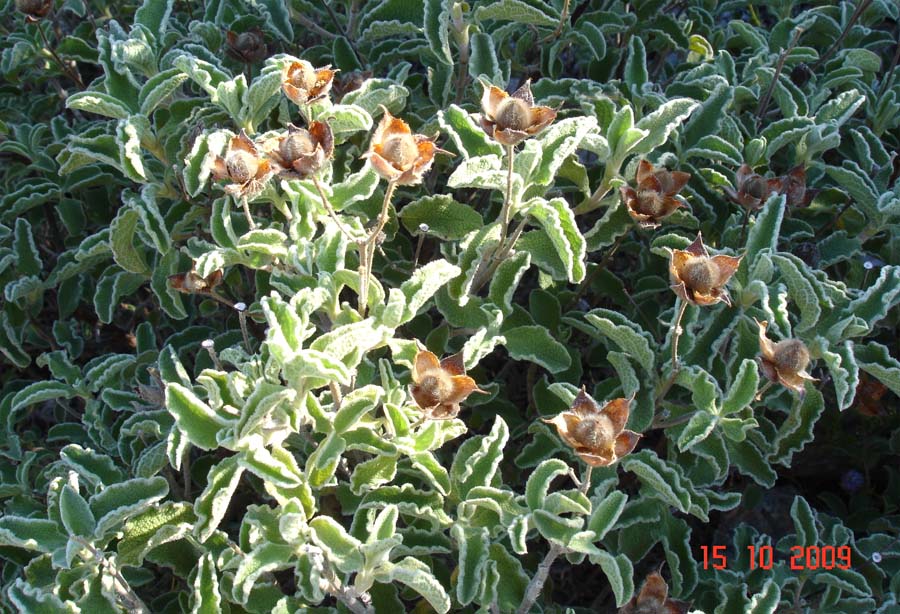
point(491, 259)
point(664, 424)
point(764, 101)
point(860, 8)
point(68, 71)
point(763, 390)
point(586, 480)
point(246, 207)
point(562, 22)
point(676, 335)
point(540, 577)
point(367, 249)
point(744, 227)
point(600, 193)
point(330, 209)
point(505, 213)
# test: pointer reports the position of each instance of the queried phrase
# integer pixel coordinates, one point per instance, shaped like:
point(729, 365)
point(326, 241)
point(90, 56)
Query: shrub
point(501, 306)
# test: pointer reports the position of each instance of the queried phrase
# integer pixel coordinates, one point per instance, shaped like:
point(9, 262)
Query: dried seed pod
point(654, 198)
point(34, 9)
point(192, 283)
point(247, 47)
point(302, 152)
point(597, 434)
point(784, 362)
point(397, 154)
point(752, 190)
point(699, 278)
point(243, 166)
point(304, 84)
point(439, 386)
point(653, 598)
point(510, 119)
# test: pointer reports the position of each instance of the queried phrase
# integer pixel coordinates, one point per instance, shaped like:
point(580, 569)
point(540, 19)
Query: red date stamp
point(808, 557)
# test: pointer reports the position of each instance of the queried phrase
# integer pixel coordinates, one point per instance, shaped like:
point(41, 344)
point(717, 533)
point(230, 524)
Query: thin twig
point(246, 207)
point(344, 33)
point(890, 71)
point(74, 76)
point(676, 335)
point(860, 8)
point(764, 101)
point(540, 577)
point(586, 480)
point(330, 209)
point(562, 22)
point(367, 249)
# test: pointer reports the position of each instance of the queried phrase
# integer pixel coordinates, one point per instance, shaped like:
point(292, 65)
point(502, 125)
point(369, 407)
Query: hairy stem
point(586, 480)
point(330, 209)
point(676, 335)
point(246, 207)
point(600, 193)
point(540, 577)
point(367, 249)
point(506, 212)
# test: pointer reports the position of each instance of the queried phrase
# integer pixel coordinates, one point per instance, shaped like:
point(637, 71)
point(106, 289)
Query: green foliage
point(213, 392)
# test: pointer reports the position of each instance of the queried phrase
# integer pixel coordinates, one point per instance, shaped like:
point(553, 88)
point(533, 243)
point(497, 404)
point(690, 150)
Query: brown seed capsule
point(304, 84)
point(784, 362)
point(302, 152)
point(243, 166)
point(397, 154)
point(247, 47)
point(510, 119)
point(596, 434)
point(653, 598)
point(751, 190)
point(654, 198)
point(699, 278)
point(439, 386)
point(34, 8)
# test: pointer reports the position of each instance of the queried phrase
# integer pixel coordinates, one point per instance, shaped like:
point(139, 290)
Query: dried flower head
point(597, 434)
point(243, 166)
point(752, 190)
point(654, 198)
point(784, 362)
point(510, 119)
point(699, 278)
point(653, 598)
point(304, 84)
point(794, 187)
point(302, 152)
point(439, 386)
point(192, 283)
point(34, 9)
point(247, 47)
point(397, 154)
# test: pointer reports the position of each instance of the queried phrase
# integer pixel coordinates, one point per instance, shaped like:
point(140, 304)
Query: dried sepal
point(655, 196)
point(303, 84)
point(247, 47)
point(510, 119)
point(784, 362)
point(596, 434)
point(653, 598)
point(301, 152)
point(439, 386)
point(699, 278)
point(243, 166)
point(794, 187)
point(192, 283)
point(34, 9)
point(397, 154)
point(751, 190)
